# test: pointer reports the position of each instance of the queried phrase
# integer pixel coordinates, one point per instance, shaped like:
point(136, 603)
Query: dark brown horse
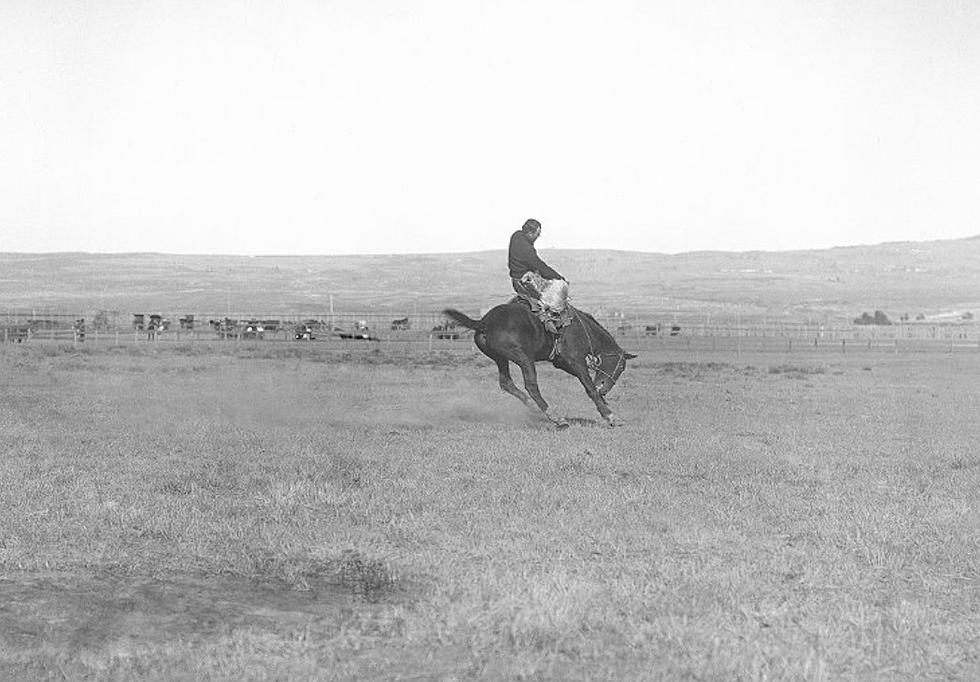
point(512, 333)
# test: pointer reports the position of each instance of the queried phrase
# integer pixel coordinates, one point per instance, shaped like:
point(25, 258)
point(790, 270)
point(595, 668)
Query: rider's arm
point(547, 272)
point(525, 257)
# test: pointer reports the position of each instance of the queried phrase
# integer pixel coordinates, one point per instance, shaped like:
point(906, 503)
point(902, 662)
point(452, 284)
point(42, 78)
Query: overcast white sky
point(390, 126)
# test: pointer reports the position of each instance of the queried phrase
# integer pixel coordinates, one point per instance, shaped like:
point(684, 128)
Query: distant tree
point(920, 316)
point(967, 315)
point(904, 317)
point(879, 319)
point(864, 319)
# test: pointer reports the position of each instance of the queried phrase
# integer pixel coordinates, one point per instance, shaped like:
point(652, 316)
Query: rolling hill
point(936, 279)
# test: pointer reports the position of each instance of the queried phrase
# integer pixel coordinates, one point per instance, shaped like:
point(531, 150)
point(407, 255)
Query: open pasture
point(248, 511)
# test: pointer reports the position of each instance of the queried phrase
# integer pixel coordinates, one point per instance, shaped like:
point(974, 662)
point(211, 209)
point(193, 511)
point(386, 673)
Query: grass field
point(298, 512)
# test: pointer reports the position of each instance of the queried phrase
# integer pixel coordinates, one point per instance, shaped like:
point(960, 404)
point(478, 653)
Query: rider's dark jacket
point(522, 257)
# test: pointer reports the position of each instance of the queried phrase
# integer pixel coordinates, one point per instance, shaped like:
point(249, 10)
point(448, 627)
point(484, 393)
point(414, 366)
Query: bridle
point(593, 360)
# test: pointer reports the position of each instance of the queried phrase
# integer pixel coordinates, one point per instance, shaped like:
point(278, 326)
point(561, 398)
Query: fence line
point(415, 342)
point(430, 328)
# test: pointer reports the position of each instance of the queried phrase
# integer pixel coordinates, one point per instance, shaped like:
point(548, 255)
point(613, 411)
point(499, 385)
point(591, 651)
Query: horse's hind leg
point(531, 385)
point(506, 383)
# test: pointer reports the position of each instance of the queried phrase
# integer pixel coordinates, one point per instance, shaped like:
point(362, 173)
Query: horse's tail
point(462, 319)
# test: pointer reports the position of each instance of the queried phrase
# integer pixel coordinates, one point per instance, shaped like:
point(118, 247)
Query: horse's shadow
point(581, 421)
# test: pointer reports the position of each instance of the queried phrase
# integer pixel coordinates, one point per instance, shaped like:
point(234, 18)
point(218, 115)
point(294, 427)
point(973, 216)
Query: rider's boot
point(552, 325)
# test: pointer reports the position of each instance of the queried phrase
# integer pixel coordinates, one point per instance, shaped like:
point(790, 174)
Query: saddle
point(548, 300)
point(554, 321)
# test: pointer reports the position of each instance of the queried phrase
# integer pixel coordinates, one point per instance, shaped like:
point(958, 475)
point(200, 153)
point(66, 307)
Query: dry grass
point(375, 516)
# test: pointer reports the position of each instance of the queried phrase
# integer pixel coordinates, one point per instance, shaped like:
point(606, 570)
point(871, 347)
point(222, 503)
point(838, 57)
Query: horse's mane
point(596, 327)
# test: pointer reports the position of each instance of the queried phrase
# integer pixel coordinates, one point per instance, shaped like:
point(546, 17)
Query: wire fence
point(432, 329)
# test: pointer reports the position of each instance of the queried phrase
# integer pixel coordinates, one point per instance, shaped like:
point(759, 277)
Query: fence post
point(843, 345)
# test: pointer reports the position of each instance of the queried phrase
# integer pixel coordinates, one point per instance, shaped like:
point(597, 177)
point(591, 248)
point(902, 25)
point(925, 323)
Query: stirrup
point(554, 348)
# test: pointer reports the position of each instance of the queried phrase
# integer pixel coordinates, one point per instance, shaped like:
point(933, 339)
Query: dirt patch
point(588, 423)
point(698, 370)
point(47, 620)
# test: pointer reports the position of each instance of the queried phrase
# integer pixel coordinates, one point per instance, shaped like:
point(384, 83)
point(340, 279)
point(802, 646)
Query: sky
point(386, 126)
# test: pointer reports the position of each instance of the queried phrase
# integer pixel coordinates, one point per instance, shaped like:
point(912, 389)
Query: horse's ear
point(629, 356)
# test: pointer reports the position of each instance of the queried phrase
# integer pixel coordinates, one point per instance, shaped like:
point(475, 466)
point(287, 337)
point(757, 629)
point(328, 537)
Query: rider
point(524, 263)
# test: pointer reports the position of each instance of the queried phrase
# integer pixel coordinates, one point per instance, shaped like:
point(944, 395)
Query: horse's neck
point(595, 336)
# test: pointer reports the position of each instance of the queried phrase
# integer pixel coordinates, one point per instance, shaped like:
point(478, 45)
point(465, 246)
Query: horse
point(510, 332)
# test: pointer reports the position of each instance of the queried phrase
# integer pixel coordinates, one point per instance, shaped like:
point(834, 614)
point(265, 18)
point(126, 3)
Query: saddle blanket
point(553, 292)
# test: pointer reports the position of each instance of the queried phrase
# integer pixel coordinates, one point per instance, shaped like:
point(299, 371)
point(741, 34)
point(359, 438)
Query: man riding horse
point(572, 340)
point(541, 287)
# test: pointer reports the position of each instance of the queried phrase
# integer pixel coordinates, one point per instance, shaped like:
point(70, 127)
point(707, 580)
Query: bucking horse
point(512, 333)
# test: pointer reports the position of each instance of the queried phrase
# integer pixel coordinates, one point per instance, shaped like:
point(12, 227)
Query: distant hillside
point(830, 285)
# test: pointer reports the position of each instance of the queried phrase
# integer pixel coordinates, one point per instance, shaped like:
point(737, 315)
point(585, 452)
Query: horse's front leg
point(582, 374)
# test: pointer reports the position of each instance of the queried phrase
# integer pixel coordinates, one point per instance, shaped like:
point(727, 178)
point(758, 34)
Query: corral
point(348, 511)
point(423, 329)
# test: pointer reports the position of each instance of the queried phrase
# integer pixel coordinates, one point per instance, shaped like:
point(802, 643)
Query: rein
point(594, 360)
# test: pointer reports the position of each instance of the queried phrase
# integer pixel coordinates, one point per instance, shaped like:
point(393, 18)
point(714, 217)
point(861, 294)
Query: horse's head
point(607, 366)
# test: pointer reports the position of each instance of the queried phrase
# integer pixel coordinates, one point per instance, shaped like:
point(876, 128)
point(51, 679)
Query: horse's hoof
point(613, 420)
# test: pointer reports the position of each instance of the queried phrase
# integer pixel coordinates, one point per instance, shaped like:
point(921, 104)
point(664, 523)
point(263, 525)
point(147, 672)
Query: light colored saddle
point(553, 293)
point(551, 306)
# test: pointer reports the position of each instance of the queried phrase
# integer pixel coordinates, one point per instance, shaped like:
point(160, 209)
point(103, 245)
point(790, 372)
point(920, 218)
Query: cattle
point(400, 325)
point(361, 332)
point(224, 328)
point(16, 333)
point(660, 330)
point(253, 330)
point(448, 330)
point(157, 325)
point(306, 329)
